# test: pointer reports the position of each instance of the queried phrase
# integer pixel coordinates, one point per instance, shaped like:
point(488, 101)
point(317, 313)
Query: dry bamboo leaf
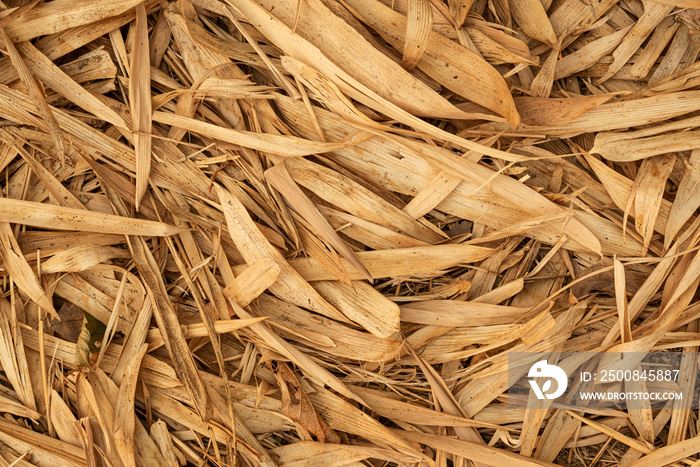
point(486, 455)
point(53, 17)
point(347, 49)
point(452, 66)
point(46, 450)
point(200, 330)
point(16, 408)
point(280, 145)
point(589, 54)
point(341, 340)
point(124, 415)
point(35, 92)
point(493, 52)
point(620, 189)
point(668, 454)
point(59, 192)
point(633, 149)
point(650, 187)
point(160, 434)
point(362, 304)
point(686, 201)
point(63, 420)
point(253, 281)
point(368, 233)
point(295, 356)
point(399, 262)
point(621, 300)
point(307, 453)
point(13, 359)
point(640, 411)
point(532, 18)
point(19, 270)
point(273, 28)
point(448, 402)
point(356, 199)
point(541, 86)
point(419, 23)
point(296, 404)
point(486, 235)
point(343, 416)
point(140, 100)
point(168, 324)
point(539, 111)
point(80, 258)
point(320, 251)
point(560, 428)
point(62, 218)
point(654, 13)
point(254, 246)
point(679, 3)
point(279, 178)
point(454, 313)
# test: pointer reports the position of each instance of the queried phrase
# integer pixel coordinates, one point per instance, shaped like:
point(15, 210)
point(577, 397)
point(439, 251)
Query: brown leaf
point(296, 404)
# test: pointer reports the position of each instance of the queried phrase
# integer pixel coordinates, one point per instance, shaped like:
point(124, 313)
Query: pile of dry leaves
point(310, 232)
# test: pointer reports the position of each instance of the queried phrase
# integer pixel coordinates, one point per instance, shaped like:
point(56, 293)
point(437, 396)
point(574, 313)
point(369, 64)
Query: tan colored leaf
point(140, 102)
point(418, 26)
point(279, 178)
point(61, 218)
point(296, 404)
point(532, 18)
point(35, 92)
point(254, 246)
point(19, 269)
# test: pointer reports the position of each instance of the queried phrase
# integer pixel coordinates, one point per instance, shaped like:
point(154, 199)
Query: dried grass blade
point(140, 102)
